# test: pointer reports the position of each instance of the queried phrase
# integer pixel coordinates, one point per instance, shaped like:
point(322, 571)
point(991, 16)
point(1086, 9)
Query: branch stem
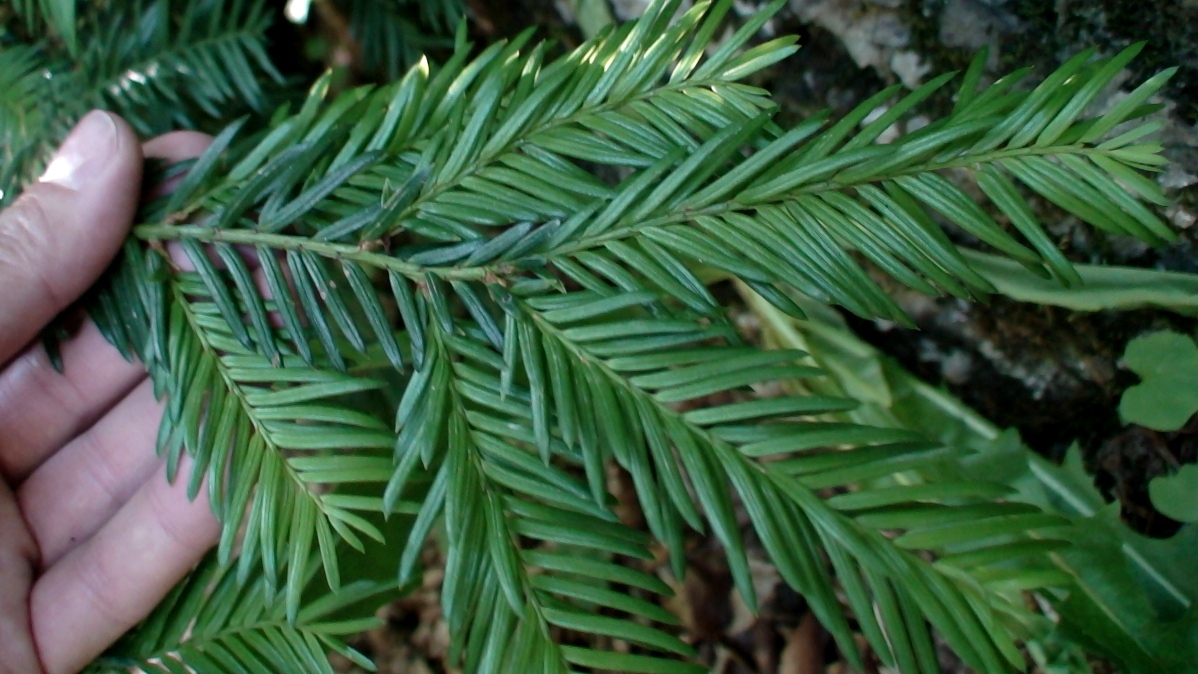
point(249, 237)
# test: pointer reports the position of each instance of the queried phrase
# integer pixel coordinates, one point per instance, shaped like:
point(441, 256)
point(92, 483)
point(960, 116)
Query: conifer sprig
point(216, 621)
point(58, 16)
point(159, 66)
point(551, 321)
point(393, 34)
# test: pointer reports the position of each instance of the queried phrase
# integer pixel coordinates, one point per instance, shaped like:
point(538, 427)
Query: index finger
point(65, 229)
point(41, 409)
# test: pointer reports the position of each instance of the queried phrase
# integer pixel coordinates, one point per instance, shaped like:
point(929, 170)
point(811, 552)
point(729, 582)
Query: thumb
point(58, 237)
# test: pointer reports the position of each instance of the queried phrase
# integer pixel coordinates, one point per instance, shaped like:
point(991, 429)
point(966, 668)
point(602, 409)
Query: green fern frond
point(507, 513)
point(802, 209)
point(57, 15)
point(259, 427)
point(216, 622)
point(159, 66)
point(552, 321)
point(394, 34)
point(774, 467)
point(162, 67)
point(24, 122)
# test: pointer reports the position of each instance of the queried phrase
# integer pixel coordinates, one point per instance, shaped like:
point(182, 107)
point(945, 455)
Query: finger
point(41, 409)
point(181, 145)
point(174, 147)
point(81, 487)
point(177, 145)
point(61, 233)
point(104, 586)
point(18, 556)
point(110, 583)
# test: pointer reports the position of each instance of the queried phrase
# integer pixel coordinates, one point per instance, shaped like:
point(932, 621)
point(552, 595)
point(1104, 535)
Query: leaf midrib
point(172, 51)
point(475, 457)
point(732, 205)
point(361, 254)
point(248, 410)
point(726, 450)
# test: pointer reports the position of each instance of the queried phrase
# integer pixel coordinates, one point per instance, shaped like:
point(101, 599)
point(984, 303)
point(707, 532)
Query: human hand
point(91, 534)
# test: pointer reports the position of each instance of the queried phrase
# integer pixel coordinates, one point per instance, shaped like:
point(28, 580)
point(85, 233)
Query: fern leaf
point(716, 452)
point(216, 622)
point(57, 15)
point(521, 514)
point(553, 319)
point(161, 67)
point(24, 123)
point(394, 34)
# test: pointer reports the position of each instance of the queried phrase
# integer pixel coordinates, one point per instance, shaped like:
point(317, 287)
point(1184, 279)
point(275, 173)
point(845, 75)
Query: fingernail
point(84, 153)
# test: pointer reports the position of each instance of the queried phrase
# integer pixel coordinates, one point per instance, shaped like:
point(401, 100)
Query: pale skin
point(92, 536)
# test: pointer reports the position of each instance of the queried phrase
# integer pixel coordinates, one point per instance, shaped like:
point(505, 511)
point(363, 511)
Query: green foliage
point(462, 294)
point(1135, 597)
point(395, 34)
point(1165, 400)
point(1167, 396)
point(22, 124)
point(1103, 288)
point(216, 621)
point(57, 15)
point(1130, 598)
point(1174, 495)
point(158, 66)
point(592, 16)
